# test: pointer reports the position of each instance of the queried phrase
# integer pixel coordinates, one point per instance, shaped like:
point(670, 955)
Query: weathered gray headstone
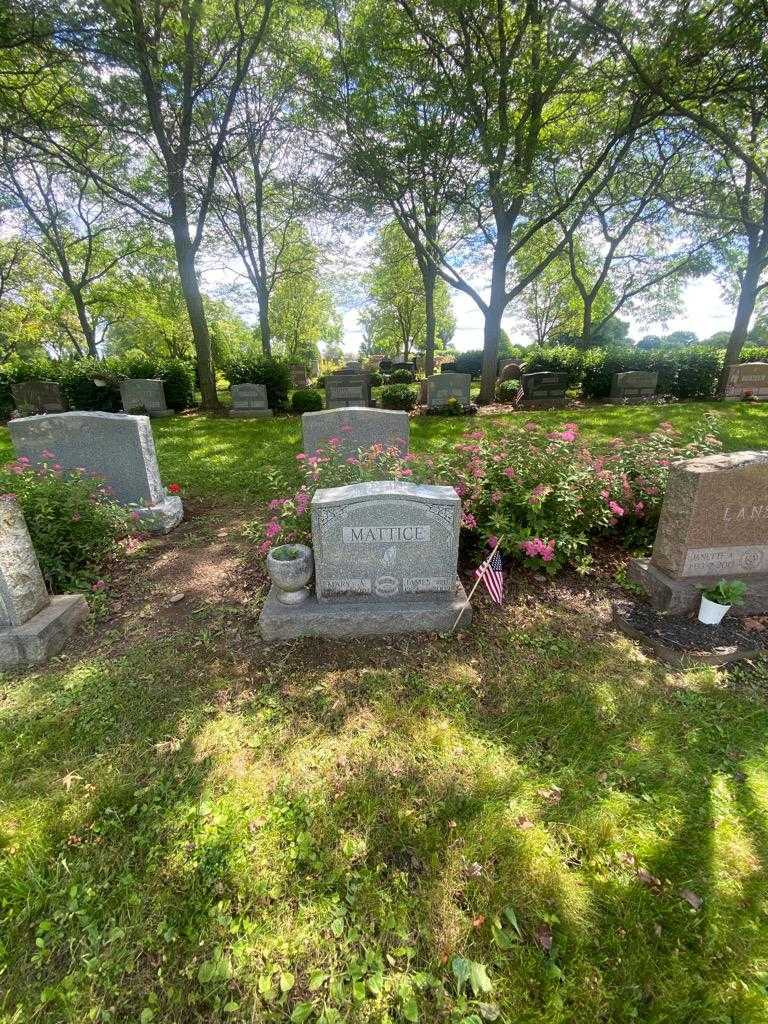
point(38, 396)
point(510, 370)
point(343, 390)
point(118, 447)
point(747, 380)
point(249, 401)
point(355, 429)
point(385, 561)
point(145, 394)
point(713, 525)
point(634, 386)
point(299, 375)
point(545, 388)
point(33, 626)
point(441, 387)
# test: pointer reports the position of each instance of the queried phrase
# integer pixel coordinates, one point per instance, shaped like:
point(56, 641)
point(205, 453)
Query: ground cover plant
point(529, 822)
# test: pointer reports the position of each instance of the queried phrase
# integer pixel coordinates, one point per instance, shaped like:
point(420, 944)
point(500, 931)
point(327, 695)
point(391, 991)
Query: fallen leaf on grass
point(524, 823)
point(648, 879)
point(757, 624)
point(691, 897)
point(628, 858)
point(552, 795)
point(479, 921)
point(167, 746)
point(69, 780)
point(542, 936)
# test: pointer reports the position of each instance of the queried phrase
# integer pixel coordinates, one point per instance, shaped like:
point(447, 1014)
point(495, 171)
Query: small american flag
point(490, 572)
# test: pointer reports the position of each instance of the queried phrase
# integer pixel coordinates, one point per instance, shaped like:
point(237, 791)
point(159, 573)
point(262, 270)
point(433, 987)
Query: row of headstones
point(44, 396)
point(118, 448)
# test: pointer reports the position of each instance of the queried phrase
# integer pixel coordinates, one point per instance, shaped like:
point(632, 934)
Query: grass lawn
point(529, 822)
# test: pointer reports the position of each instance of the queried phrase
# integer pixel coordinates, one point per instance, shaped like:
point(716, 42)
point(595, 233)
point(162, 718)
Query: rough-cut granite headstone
point(545, 388)
point(441, 387)
point(344, 390)
point(118, 447)
point(299, 375)
point(33, 626)
point(713, 525)
point(356, 429)
point(39, 396)
point(634, 386)
point(144, 394)
point(385, 561)
point(249, 401)
point(747, 380)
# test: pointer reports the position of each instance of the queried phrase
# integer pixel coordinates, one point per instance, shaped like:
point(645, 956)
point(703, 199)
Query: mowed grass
point(531, 822)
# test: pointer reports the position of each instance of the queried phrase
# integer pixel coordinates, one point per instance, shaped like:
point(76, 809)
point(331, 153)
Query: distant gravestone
point(38, 396)
point(299, 375)
point(405, 364)
point(33, 625)
point(117, 447)
point(448, 368)
point(353, 366)
point(355, 429)
point(634, 386)
point(441, 387)
point(510, 371)
point(343, 390)
point(545, 388)
point(385, 561)
point(713, 525)
point(747, 380)
point(146, 394)
point(249, 401)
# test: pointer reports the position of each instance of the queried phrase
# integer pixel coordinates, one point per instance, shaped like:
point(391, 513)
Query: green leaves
point(470, 971)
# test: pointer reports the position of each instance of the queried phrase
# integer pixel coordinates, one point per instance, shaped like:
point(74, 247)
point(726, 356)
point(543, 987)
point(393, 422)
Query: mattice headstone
point(713, 525)
point(385, 562)
point(343, 390)
point(634, 386)
point(33, 625)
point(118, 447)
point(249, 401)
point(354, 429)
point(545, 388)
point(747, 380)
point(145, 394)
point(38, 396)
point(441, 387)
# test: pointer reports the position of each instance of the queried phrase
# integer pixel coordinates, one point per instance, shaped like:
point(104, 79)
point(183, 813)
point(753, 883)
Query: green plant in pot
point(716, 601)
point(291, 567)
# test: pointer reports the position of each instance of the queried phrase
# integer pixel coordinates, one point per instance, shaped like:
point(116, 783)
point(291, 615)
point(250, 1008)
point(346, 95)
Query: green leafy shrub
point(72, 519)
point(469, 362)
point(506, 390)
point(401, 377)
point(399, 396)
point(92, 384)
point(274, 374)
point(730, 592)
point(178, 379)
point(559, 359)
point(376, 379)
point(306, 400)
point(697, 372)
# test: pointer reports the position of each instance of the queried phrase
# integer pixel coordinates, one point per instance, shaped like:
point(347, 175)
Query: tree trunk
point(185, 259)
point(493, 314)
point(429, 275)
point(85, 325)
point(586, 324)
point(744, 311)
point(264, 331)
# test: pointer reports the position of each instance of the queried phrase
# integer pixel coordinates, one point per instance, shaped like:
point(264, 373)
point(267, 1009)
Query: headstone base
point(336, 619)
point(160, 518)
point(677, 597)
point(159, 414)
point(542, 403)
point(250, 414)
point(44, 634)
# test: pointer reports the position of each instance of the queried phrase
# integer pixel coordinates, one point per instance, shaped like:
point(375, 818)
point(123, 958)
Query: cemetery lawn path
point(532, 822)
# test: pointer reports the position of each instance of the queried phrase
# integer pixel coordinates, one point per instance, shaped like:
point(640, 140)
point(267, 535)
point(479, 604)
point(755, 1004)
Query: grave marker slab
point(634, 386)
point(385, 561)
point(33, 625)
point(747, 380)
point(344, 390)
point(356, 429)
point(713, 525)
point(545, 389)
point(249, 401)
point(441, 387)
point(299, 376)
point(39, 396)
point(144, 394)
point(118, 447)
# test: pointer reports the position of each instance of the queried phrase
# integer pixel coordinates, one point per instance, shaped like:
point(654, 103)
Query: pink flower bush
point(538, 548)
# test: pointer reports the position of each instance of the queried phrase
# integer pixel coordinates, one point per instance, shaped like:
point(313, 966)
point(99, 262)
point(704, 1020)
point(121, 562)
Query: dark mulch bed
point(677, 639)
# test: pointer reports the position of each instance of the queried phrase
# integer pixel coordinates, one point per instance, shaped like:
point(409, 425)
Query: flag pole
point(466, 604)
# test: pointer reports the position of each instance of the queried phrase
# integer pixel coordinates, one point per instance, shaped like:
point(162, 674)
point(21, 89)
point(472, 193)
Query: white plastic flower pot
point(711, 613)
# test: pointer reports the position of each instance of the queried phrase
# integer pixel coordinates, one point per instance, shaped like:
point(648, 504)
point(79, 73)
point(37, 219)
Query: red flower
point(174, 489)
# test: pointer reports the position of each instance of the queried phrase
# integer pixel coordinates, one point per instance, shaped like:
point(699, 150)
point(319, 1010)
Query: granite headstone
point(343, 390)
point(249, 401)
point(147, 394)
point(546, 389)
point(747, 380)
point(713, 525)
point(38, 396)
point(355, 429)
point(441, 387)
point(634, 386)
point(118, 447)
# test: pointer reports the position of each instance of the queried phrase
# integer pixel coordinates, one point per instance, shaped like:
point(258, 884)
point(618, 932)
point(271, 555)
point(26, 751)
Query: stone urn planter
point(291, 567)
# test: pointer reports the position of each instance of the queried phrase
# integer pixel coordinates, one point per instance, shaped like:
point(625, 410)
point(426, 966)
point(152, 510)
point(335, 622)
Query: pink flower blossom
point(530, 426)
point(460, 489)
point(272, 529)
point(334, 442)
point(615, 508)
point(352, 461)
point(539, 493)
point(23, 460)
point(538, 548)
point(605, 495)
point(264, 547)
point(301, 456)
point(98, 585)
point(510, 472)
point(276, 503)
point(496, 497)
point(406, 472)
point(639, 508)
point(469, 521)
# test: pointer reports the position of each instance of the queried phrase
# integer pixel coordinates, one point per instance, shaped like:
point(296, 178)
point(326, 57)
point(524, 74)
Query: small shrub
point(399, 396)
point(274, 374)
point(507, 390)
point(376, 379)
point(178, 379)
point(306, 400)
point(72, 520)
point(401, 377)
